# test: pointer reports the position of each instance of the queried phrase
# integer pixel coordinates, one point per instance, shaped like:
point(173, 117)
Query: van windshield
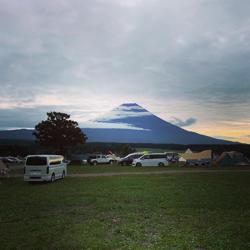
point(36, 161)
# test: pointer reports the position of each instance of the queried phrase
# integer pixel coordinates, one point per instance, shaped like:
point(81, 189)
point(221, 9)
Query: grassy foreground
point(185, 211)
point(85, 169)
point(106, 168)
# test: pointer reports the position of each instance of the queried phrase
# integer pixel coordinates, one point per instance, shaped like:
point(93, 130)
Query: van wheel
point(161, 164)
point(138, 164)
point(63, 174)
point(95, 163)
point(111, 162)
point(53, 178)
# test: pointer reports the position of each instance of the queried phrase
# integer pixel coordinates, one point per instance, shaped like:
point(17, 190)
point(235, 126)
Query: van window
point(36, 161)
point(55, 162)
point(135, 156)
point(158, 156)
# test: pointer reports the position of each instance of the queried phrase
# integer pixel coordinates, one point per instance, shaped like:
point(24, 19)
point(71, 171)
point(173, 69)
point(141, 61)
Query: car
point(8, 160)
point(101, 159)
point(151, 160)
point(128, 160)
point(44, 168)
point(84, 162)
point(114, 157)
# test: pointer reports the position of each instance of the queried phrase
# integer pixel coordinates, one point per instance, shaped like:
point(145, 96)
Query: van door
point(146, 161)
point(35, 166)
point(56, 168)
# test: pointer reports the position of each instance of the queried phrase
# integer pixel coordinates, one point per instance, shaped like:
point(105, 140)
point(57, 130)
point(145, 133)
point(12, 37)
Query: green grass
point(185, 211)
point(105, 168)
point(74, 169)
point(85, 169)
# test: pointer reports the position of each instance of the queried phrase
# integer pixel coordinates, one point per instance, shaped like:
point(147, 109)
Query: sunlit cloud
point(183, 123)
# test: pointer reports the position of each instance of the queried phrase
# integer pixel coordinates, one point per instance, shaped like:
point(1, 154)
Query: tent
point(188, 151)
point(201, 158)
point(232, 158)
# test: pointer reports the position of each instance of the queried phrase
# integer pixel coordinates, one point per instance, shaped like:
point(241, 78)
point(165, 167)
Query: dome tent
point(232, 158)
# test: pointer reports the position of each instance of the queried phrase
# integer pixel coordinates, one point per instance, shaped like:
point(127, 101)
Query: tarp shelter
point(203, 155)
point(232, 158)
point(201, 158)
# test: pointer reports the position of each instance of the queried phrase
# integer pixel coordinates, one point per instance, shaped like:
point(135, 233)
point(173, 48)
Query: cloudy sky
point(186, 61)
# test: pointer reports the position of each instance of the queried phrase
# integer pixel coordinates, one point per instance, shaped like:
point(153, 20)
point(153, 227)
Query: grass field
point(106, 168)
point(73, 169)
point(185, 211)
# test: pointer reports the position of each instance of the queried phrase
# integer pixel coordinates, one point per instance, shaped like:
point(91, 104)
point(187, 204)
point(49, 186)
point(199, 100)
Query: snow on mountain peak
point(124, 111)
point(116, 118)
point(132, 107)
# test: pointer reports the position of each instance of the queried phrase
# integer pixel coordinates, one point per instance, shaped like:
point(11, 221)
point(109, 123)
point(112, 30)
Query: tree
point(59, 133)
point(127, 149)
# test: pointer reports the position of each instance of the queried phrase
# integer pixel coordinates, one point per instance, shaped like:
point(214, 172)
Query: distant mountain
point(132, 123)
point(17, 134)
point(129, 123)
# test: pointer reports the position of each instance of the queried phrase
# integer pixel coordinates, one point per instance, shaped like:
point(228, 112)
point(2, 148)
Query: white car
point(151, 160)
point(102, 159)
point(44, 168)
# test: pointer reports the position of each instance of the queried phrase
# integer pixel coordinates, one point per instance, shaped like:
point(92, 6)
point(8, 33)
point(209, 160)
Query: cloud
point(232, 138)
point(93, 55)
point(123, 111)
point(98, 124)
point(183, 123)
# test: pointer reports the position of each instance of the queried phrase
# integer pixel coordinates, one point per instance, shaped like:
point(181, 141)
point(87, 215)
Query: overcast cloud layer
point(185, 61)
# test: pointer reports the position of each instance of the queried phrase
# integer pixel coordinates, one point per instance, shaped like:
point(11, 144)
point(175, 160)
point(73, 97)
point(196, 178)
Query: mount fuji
point(129, 123)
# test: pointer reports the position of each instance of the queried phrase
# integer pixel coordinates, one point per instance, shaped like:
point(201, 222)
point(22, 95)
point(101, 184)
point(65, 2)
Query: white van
point(44, 168)
point(151, 160)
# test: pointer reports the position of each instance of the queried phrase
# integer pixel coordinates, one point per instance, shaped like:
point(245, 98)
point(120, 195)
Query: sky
point(187, 62)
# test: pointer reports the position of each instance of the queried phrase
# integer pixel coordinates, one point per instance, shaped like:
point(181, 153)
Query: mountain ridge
point(130, 123)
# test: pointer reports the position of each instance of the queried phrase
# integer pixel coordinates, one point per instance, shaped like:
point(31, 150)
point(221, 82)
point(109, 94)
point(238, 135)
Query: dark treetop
point(59, 133)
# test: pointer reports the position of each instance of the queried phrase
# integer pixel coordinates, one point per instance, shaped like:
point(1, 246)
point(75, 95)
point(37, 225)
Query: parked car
point(151, 160)
point(114, 157)
point(11, 159)
point(44, 168)
point(128, 160)
point(84, 162)
point(90, 157)
point(101, 159)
